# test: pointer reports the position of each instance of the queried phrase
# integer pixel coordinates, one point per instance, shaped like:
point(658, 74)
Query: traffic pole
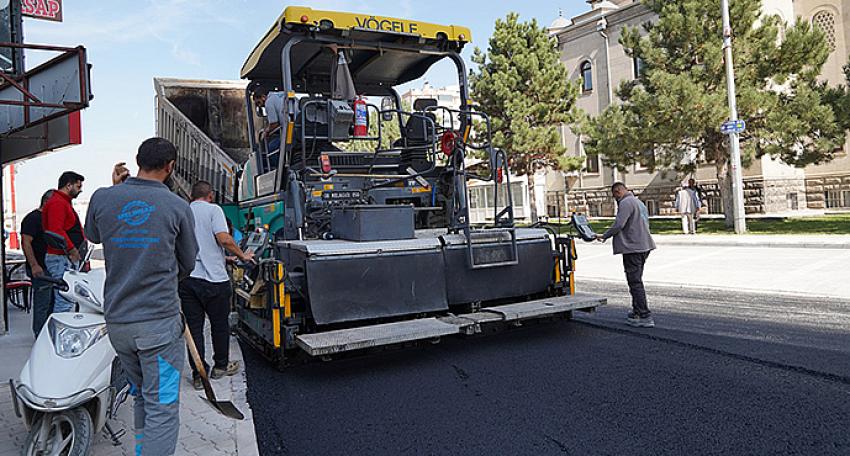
point(734, 143)
point(13, 234)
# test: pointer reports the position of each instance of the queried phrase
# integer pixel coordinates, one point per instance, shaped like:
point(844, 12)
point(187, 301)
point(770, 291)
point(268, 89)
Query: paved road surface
point(723, 373)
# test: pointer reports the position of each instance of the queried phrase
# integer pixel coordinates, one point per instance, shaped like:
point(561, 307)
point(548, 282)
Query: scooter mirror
point(89, 251)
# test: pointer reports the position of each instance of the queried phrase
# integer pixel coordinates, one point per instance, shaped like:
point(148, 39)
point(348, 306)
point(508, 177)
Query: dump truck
point(363, 240)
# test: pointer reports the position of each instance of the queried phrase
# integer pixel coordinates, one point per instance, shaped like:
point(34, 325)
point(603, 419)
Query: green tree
point(390, 132)
point(522, 85)
point(839, 98)
point(673, 110)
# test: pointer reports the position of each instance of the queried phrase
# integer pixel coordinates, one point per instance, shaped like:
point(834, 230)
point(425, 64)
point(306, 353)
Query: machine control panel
point(581, 224)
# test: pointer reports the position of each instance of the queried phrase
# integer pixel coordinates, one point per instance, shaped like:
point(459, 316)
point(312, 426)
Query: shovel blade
point(226, 408)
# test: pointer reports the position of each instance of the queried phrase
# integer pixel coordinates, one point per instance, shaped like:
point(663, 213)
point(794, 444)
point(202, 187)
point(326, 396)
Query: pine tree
point(672, 112)
point(527, 92)
point(390, 132)
point(838, 98)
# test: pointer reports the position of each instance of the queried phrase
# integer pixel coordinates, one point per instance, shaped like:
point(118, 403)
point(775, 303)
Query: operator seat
point(420, 135)
point(315, 123)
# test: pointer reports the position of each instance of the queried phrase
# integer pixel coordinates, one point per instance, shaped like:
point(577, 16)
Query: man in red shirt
point(59, 216)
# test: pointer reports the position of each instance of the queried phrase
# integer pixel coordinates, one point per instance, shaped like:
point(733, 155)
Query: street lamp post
point(602, 27)
point(734, 144)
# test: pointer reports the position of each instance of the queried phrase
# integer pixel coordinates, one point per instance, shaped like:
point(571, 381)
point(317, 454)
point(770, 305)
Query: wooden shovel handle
point(198, 363)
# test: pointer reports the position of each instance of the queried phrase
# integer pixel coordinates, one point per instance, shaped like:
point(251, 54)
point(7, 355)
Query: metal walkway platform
point(343, 340)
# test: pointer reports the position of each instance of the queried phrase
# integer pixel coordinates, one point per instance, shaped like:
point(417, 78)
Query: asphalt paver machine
point(364, 240)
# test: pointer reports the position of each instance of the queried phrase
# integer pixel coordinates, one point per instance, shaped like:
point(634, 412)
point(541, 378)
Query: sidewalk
point(795, 270)
point(825, 241)
point(203, 431)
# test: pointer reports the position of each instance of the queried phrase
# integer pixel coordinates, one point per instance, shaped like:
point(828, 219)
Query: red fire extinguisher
point(361, 118)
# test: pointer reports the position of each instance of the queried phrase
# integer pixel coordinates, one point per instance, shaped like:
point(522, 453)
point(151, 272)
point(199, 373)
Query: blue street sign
point(733, 126)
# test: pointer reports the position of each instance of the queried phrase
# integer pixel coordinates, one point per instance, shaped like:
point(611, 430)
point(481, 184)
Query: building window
point(555, 205)
point(715, 205)
point(652, 207)
point(833, 199)
point(638, 66)
point(591, 165)
point(825, 21)
point(793, 201)
point(586, 76)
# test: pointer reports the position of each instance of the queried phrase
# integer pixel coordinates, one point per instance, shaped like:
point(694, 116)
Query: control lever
point(419, 179)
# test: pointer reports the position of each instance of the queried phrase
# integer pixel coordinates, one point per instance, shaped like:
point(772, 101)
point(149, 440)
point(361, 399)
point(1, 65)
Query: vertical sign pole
point(5, 328)
point(734, 144)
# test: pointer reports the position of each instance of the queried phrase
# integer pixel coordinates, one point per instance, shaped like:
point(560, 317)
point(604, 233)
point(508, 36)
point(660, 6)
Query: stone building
point(590, 49)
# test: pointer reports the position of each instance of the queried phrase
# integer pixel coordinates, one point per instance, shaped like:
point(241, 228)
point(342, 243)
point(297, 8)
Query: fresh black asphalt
point(723, 373)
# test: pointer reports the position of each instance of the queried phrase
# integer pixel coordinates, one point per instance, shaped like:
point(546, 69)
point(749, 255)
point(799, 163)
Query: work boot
point(640, 322)
point(197, 383)
point(231, 369)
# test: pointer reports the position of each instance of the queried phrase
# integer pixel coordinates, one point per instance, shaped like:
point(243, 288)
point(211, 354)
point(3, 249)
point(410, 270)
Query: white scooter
point(73, 383)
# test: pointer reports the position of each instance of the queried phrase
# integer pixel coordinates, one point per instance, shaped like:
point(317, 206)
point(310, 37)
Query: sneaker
point(640, 322)
point(197, 383)
point(231, 369)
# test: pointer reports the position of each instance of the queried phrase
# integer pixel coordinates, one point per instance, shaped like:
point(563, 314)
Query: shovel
point(226, 408)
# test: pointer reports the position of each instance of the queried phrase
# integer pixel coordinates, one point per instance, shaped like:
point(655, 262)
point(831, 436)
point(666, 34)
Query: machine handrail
point(314, 137)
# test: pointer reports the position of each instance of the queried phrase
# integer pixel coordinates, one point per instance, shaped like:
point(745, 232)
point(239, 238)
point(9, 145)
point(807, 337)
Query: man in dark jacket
point(35, 250)
point(633, 240)
point(149, 244)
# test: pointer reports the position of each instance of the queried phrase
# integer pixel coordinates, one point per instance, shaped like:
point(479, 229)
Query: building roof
point(559, 23)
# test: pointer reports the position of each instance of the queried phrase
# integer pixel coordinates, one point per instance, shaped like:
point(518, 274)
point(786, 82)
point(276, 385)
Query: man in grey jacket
point(633, 240)
point(149, 244)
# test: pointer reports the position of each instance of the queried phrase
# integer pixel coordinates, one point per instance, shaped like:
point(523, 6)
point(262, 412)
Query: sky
point(130, 42)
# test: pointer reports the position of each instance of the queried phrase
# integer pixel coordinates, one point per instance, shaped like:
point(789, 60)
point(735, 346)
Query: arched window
point(586, 76)
point(825, 21)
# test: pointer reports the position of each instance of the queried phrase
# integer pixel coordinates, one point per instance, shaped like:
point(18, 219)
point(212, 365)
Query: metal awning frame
point(31, 101)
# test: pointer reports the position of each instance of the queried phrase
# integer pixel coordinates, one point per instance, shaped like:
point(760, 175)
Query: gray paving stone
point(202, 430)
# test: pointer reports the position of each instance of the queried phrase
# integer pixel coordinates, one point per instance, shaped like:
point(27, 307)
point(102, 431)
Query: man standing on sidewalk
point(692, 184)
point(633, 240)
point(35, 250)
point(60, 217)
point(149, 244)
point(207, 291)
point(688, 204)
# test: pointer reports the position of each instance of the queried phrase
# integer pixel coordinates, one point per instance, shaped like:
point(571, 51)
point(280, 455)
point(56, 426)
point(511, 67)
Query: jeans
point(56, 267)
point(151, 353)
point(42, 303)
point(199, 299)
point(633, 264)
point(274, 144)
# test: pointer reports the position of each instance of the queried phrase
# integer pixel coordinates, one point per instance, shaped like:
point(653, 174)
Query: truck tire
point(68, 433)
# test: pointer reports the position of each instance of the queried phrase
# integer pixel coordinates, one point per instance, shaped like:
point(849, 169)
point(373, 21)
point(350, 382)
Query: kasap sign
point(49, 10)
